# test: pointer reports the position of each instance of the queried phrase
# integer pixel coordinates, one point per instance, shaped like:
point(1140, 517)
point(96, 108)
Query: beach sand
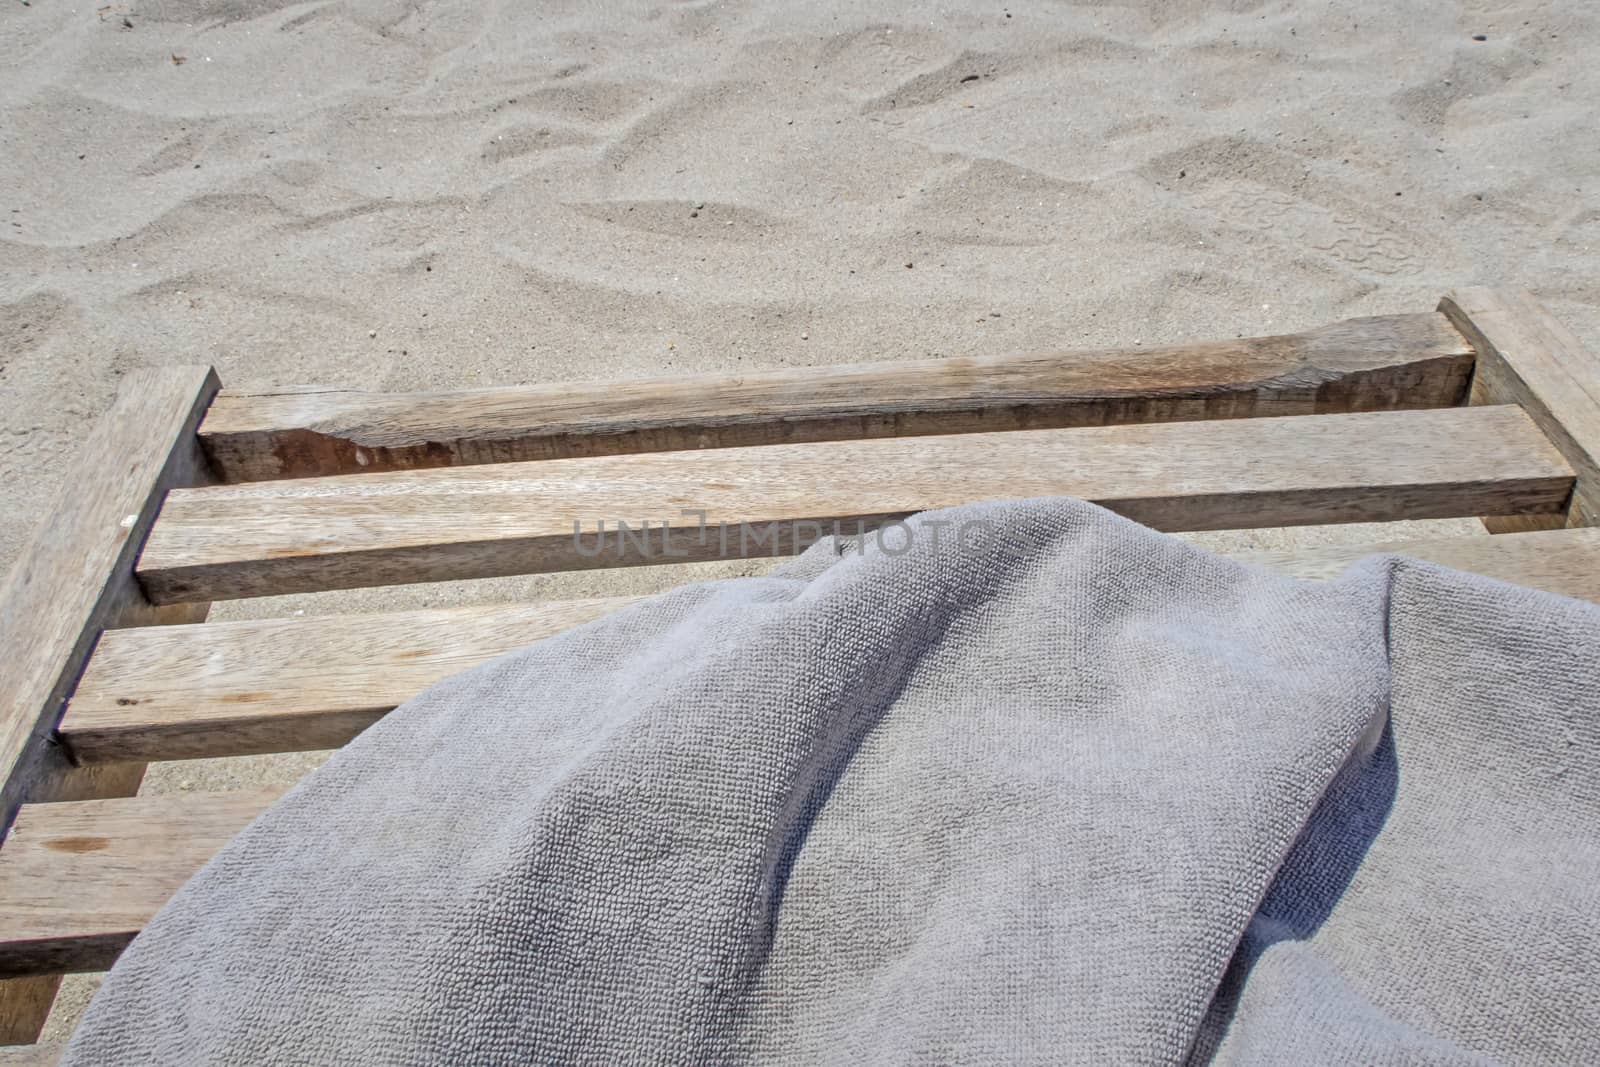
point(437, 194)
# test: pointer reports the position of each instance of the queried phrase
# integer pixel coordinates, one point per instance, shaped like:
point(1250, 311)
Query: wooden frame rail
point(1528, 357)
point(185, 495)
point(73, 579)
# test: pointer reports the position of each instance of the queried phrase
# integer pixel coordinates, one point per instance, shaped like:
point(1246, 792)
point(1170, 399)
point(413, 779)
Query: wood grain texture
point(79, 879)
point(1527, 357)
point(472, 522)
point(72, 579)
point(32, 1055)
point(76, 575)
point(25, 1005)
point(281, 685)
point(1558, 561)
point(1398, 361)
point(274, 685)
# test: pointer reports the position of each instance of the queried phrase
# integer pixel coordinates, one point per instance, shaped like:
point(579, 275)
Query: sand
point(414, 195)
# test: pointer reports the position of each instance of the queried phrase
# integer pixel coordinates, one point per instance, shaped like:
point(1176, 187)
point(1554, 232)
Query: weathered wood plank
point(25, 1005)
point(1397, 361)
point(1558, 561)
point(275, 685)
point(1528, 357)
point(76, 575)
point(280, 685)
point(31, 1055)
point(73, 578)
point(473, 522)
point(78, 880)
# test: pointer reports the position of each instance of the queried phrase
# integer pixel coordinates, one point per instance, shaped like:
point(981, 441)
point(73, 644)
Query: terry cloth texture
point(1043, 787)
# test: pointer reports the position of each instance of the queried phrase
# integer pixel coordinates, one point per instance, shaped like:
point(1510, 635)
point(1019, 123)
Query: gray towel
point(1019, 782)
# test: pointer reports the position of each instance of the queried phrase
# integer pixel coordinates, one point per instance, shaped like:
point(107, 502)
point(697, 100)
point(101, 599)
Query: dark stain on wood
point(78, 844)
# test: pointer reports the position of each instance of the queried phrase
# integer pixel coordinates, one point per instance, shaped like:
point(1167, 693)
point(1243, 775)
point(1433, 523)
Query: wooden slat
point(473, 522)
point(280, 685)
point(237, 688)
point(1558, 561)
point(25, 1003)
point(1528, 357)
point(76, 575)
point(1398, 361)
point(79, 879)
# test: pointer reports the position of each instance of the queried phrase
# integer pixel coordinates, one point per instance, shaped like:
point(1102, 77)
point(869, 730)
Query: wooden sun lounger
point(187, 495)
